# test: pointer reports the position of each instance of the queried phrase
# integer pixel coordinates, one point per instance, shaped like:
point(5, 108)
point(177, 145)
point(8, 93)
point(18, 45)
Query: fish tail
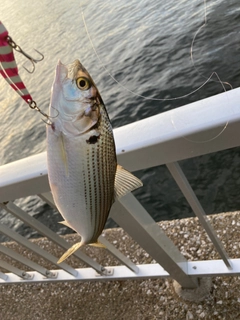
point(70, 251)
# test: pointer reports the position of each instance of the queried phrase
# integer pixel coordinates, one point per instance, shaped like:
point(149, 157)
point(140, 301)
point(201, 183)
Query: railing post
point(189, 194)
point(129, 214)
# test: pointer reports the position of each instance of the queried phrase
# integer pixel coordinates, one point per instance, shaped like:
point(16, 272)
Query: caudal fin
point(70, 251)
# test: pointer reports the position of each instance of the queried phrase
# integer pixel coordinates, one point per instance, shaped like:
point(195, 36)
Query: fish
point(84, 176)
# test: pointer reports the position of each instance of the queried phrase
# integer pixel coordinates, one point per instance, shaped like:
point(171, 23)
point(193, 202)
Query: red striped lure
point(9, 70)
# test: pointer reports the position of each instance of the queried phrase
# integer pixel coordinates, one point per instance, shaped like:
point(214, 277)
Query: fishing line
point(142, 96)
point(210, 78)
point(216, 136)
point(191, 52)
point(125, 88)
point(207, 79)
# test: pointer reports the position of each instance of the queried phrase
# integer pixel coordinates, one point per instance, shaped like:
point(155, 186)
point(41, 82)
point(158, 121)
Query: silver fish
point(84, 176)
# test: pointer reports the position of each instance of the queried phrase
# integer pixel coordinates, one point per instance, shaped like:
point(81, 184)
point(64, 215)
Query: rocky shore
point(135, 300)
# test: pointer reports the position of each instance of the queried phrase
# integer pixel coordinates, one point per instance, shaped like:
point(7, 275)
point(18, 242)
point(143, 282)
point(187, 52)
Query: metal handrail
point(146, 143)
point(209, 125)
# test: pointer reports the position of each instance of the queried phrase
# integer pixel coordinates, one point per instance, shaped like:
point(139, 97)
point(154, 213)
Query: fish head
point(75, 101)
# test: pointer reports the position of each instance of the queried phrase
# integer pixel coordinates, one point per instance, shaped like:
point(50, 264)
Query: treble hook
point(33, 105)
point(19, 49)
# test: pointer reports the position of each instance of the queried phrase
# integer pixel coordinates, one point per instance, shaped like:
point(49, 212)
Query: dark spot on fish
point(93, 139)
point(53, 126)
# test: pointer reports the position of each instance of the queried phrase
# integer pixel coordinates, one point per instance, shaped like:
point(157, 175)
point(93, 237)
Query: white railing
point(199, 128)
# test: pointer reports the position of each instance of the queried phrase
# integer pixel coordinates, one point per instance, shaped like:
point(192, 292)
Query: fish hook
point(33, 105)
point(19, 49)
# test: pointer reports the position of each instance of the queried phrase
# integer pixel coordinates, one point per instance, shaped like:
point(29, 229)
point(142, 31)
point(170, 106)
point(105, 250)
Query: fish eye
point(83, 83)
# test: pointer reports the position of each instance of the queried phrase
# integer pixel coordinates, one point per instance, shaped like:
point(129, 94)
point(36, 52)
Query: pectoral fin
point(125, 182)
point(65, 223)
point(70, 251)
point(64, 153)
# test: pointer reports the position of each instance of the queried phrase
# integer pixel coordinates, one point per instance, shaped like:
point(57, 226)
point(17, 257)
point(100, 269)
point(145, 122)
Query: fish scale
point(83, 173)
point(96, 157)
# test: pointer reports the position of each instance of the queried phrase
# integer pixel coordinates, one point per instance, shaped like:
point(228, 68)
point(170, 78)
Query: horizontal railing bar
point(213, 268)
point(17, 182)
point(88, 274)
point(42, 229)
point(116, 253)
point(16, 271)
point(36, 249)
point(3, 276)
point(18, 257)
point(129, 214)
point(146, 271)
point(167, 137)
point(189, 194)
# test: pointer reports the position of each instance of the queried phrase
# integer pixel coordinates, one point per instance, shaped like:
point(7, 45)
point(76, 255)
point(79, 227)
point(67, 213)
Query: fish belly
point(81, 177)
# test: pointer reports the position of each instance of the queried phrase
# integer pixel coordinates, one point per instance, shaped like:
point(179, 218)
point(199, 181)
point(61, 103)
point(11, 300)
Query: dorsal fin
point(125, 182)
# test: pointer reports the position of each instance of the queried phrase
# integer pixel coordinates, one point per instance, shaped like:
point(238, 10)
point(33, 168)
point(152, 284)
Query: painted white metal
point(129, 214)
point(118, 255)
point(146, 143)
point(42, 229)
point(199, 128)
point(3, 276)
point(146, 271)
point(189, 194)
point(88, 274)
point(32, 265)
point(213, 268)
point(35, 248)
point(16, 271)
point(24, 177)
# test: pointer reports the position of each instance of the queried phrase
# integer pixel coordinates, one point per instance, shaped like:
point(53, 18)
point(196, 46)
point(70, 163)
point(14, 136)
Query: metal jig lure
point(9, 70)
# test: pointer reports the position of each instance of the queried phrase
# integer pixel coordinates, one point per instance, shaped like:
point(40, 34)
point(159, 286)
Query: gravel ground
point(137, 300)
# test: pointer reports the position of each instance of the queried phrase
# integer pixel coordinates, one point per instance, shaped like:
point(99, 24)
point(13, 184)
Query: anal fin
point(65, 223)
point(98, 245)
point(64, 153)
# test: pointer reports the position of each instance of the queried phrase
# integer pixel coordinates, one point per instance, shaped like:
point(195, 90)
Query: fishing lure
point(9, 70)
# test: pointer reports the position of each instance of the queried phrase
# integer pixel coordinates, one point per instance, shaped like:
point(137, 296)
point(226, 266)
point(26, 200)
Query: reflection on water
point(145, 46)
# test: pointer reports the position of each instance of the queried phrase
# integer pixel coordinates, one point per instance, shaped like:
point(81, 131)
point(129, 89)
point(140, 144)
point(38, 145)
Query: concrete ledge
point(148, 299)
